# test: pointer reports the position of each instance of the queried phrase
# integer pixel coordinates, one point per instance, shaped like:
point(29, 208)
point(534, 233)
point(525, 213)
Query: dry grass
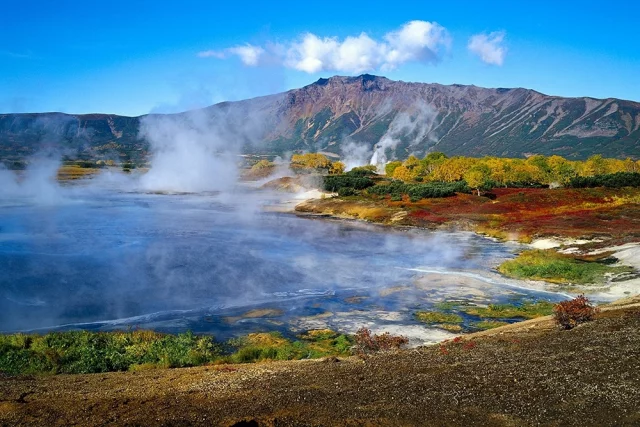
point(71, 172)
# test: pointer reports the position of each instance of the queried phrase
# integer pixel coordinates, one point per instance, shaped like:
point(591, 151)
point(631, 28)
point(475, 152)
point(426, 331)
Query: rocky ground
point(528, 373)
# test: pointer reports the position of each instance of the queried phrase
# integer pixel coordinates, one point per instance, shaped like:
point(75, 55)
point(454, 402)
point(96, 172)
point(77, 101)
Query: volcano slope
point(529, 373)
point(331, 115)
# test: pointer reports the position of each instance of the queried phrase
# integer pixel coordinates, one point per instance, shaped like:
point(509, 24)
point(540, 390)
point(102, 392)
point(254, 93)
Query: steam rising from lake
point(110, 253)
point(37, 184)
point(189, 154)
point(108, 259)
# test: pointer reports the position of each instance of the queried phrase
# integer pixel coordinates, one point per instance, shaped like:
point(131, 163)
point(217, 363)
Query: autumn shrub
point(310, 161)
point(367, 343)
point(568, 314)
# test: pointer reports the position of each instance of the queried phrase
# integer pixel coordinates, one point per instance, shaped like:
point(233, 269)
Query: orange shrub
point(569, 314)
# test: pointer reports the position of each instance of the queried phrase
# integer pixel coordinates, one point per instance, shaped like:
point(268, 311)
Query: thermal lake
point(99, 258)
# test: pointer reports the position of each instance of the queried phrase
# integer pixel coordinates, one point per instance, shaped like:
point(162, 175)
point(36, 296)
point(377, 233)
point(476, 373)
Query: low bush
point(569, 314)
point(336, 182)
point(419, 191)
point(362, 171)
point(367, 343)
point(346, 191)
point(80, 352)
point(612, 180)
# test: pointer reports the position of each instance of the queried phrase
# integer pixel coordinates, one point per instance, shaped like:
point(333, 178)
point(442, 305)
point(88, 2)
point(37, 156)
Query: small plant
point(368, 343)
point(569, 314)
point(469, 345)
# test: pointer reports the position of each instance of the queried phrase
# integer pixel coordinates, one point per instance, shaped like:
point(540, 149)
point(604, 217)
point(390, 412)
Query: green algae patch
point(554, 267)
point(438, 317)
point(273, 346)
point(527, 310)
point(256, 314)
point(450, 327)
point(488, 324)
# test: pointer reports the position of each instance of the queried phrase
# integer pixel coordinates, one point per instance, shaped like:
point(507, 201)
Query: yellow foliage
point(68, 172)
point(453, 169)
point(262, 164)
point(337, 168)
point(310, 161)
point(403, 173)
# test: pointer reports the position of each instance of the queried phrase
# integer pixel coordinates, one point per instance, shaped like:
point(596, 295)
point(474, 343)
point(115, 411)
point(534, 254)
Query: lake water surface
point(101, 259)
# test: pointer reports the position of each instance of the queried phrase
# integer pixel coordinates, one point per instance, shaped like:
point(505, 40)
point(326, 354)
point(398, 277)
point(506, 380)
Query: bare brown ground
point(525, 374)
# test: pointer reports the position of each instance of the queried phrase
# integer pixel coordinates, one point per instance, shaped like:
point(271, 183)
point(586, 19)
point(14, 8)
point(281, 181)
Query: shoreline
point(543, 376)
point(627, 254)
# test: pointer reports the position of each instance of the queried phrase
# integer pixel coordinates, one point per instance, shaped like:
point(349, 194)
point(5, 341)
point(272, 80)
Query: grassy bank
point(543, 376)
point(78, 352)
point(554, 267)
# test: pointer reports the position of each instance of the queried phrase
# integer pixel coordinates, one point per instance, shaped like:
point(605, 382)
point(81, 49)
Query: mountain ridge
point(396, 118)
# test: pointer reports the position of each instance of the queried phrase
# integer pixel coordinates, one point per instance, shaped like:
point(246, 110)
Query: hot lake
point(99, 258)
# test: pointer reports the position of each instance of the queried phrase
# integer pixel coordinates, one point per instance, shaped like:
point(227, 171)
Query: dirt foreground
point(528, 373)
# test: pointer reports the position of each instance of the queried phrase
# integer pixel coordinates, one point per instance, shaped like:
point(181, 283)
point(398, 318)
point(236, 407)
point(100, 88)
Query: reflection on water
point(105, 259)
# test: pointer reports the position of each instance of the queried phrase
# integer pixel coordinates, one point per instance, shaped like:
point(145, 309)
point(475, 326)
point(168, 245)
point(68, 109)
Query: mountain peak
point(364, 79)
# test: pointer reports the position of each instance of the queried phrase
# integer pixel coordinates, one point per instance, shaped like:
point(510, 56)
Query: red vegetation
point(424, 215)
point(470, 345)
point(367, 343)
point(525, 213)
point(569, 314)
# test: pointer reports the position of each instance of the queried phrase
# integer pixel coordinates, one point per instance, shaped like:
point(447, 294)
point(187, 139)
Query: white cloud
point(212, 54)
point(489, 47)
point(249, 54)
point(415, 41)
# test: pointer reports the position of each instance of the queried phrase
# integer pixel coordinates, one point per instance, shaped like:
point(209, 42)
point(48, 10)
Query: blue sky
point(115, 57)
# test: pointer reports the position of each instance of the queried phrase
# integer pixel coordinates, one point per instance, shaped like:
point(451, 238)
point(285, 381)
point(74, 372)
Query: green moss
point(488, 324)
point(450, 305)
point(554, 267)
point(528, 310)
point(437, 317)
point(450, 327)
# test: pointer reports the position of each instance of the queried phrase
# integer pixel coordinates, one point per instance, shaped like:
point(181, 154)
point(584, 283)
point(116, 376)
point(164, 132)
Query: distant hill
point(324, 116)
